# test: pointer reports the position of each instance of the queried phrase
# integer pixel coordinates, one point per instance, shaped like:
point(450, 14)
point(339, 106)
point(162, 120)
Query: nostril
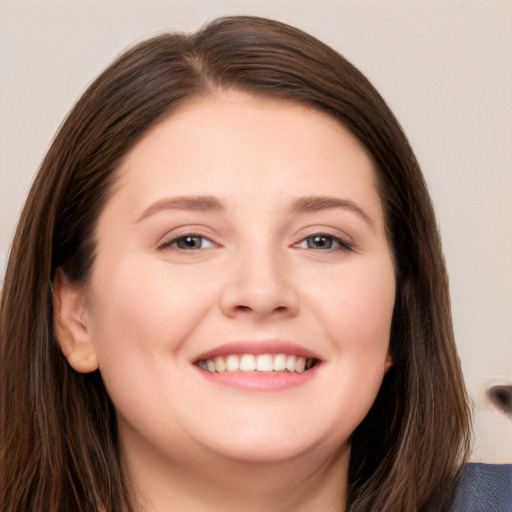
point(501, 396)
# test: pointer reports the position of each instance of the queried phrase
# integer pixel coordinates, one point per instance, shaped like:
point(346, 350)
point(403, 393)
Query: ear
point(388, 362)
point(71, 326)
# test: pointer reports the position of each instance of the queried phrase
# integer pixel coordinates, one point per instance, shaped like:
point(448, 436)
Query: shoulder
point(485, 488)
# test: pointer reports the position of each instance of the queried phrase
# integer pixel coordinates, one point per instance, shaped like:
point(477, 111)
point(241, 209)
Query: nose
point(260, 285)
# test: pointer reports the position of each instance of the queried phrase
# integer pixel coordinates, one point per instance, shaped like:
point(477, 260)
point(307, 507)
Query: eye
point(323, 242)
point(188, 242)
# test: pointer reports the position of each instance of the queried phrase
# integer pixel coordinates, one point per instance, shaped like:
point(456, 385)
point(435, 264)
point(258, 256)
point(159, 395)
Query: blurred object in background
point(500, 395)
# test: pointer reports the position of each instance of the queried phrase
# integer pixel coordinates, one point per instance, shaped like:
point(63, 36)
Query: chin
point(272, 444)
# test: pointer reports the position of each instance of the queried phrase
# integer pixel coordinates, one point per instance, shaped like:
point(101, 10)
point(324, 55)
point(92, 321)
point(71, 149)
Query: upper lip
point(267, 346)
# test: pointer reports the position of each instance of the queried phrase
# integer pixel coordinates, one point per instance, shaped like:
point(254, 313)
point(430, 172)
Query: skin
point(152, 305)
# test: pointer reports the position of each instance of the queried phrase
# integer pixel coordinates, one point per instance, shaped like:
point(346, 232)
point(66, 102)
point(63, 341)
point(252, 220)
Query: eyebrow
point(192, 203)
point(309, 204)
point(305, 204)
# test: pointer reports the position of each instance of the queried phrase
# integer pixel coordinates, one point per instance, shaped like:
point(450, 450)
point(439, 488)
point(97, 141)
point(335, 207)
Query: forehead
point(217, 124)
point(232, 144)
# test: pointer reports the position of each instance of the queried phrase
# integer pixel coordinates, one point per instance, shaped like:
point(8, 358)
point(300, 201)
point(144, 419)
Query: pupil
point(320, 242)
point(190, 242)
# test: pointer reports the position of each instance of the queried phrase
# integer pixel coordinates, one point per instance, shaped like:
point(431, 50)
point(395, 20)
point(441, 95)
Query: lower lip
point(260, 381)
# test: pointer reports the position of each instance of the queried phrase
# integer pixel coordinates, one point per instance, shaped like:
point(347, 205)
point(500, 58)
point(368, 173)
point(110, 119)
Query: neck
point(308, 482)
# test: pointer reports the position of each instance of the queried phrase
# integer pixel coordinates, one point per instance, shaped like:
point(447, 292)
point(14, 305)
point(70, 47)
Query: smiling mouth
point(258, 363)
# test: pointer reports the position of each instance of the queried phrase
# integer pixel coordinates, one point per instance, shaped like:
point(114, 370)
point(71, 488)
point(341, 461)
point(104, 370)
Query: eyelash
point(340, 244)
point(172, 244)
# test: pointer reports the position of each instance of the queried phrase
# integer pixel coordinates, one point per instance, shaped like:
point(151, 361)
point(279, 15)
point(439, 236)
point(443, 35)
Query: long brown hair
point(58, 433)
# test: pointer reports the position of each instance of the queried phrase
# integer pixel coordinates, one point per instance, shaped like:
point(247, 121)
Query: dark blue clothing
point(485, 488)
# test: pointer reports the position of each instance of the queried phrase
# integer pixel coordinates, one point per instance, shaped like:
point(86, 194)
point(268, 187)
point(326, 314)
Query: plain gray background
point(444, 67)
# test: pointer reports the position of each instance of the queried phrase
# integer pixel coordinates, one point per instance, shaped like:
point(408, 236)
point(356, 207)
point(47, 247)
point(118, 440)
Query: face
point(241, 299)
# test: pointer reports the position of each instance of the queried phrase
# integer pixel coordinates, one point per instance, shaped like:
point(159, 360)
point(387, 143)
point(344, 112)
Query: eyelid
point(171, 238)
point(343, 244)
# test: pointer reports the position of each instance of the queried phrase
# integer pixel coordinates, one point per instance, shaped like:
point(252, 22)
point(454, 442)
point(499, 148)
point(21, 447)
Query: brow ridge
point(192, 203)
point(308, 204)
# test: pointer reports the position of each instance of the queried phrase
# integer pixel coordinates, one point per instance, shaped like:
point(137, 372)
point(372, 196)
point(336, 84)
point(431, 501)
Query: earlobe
point(388, 362)
point(71, 326)
point(83, 359)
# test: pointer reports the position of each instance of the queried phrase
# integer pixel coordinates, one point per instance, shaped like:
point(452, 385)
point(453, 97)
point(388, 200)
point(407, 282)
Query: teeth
point(248, 363)
point(300, 364)
point(264, 363)
point(232, 364)
point(279, 363)
point(290, 363)
point(259, 363)
point(220, 365)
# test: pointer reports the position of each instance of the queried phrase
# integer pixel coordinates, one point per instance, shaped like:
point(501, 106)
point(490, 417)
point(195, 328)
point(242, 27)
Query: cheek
point(140, 310)
point(359, 323)
point(359, 307)
point(143, 315)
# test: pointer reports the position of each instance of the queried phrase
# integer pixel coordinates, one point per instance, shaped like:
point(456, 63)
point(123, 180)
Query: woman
point(227, 292)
